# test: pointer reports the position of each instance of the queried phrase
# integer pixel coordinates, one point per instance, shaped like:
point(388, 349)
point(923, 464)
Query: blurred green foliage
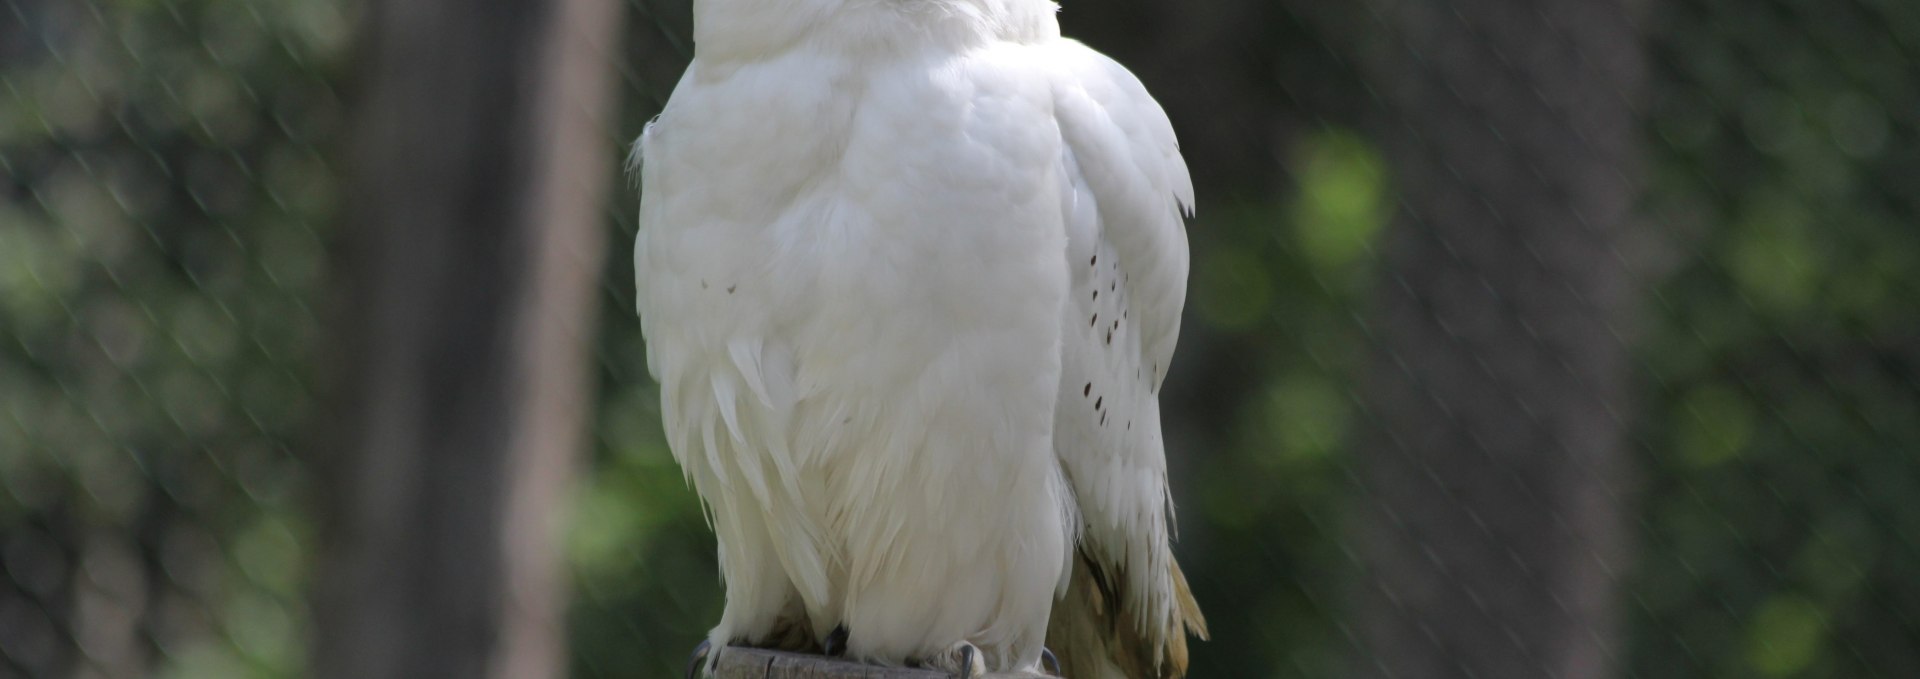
point(1779, 444)
point(163, 252)
point(1262, 520)
point(161, 247)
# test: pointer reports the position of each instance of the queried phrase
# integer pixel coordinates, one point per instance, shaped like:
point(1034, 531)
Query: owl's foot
point(836, 642)
point(1050, 661)
point(697, 663)
point(962, 659)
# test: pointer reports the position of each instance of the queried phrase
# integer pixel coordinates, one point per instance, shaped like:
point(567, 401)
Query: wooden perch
point(754, 663)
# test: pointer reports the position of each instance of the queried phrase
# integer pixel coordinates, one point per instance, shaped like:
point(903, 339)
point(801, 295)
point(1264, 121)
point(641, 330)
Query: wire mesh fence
point(167, 200)
point(1368, 336)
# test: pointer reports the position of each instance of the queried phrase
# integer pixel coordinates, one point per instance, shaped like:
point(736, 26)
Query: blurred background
point(1575, 338)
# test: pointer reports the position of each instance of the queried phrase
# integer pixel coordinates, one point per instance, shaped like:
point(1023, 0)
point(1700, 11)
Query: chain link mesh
point(170, 172)
point(167, 196)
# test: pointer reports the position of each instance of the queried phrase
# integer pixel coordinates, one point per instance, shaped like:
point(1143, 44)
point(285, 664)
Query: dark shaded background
point(1524, 339)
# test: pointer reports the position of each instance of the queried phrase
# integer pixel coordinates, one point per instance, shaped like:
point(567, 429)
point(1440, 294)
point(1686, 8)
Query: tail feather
point(1094, 637)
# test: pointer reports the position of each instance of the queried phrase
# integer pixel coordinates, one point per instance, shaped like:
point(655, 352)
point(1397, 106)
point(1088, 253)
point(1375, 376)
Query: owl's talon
point(961, 659)
point(698, 661)
point(836, 642)
point(1050, 661)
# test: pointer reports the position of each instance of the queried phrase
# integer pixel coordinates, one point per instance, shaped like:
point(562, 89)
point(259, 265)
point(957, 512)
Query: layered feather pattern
point(911, 274)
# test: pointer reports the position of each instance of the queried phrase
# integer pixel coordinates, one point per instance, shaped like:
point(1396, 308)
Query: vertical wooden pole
point(468, 264)
point(1493, 517)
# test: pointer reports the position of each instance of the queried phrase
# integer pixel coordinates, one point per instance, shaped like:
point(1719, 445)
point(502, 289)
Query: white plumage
point(910, 273)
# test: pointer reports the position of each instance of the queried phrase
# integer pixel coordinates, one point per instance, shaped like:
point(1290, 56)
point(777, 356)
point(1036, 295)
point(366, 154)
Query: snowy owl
point(910, 274)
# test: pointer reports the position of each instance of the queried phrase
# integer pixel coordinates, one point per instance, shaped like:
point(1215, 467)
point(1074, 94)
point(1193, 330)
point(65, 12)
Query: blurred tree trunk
point(1492, 507)
point(470, 257)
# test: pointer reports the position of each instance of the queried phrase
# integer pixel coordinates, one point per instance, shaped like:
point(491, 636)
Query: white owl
point(910, 273)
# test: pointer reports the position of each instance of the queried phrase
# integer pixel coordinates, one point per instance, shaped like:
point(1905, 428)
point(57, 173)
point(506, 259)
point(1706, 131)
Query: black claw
point(836, 643)
point(698, 661)
point(1051, 661)
point(966, 663)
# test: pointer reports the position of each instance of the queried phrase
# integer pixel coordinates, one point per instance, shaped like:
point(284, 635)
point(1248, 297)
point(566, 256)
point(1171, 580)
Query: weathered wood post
point(753, 663)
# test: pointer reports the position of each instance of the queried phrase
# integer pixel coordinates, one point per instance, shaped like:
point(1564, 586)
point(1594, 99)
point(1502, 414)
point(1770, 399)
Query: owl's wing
point(1127, 609)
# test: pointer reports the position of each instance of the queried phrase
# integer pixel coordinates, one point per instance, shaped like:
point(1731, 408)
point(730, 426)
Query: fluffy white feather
point(910, 273)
